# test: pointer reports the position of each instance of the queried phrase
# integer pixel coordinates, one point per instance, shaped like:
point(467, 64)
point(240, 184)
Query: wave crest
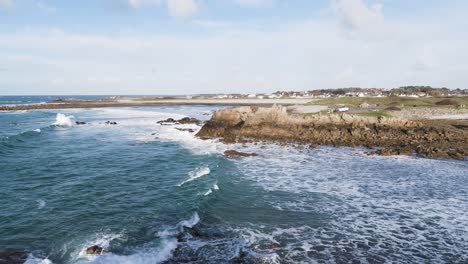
point(199, 172)
point(62, 120)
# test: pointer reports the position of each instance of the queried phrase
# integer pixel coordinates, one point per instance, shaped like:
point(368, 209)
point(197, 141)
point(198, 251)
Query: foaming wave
point(173, 231)
point(101, 240)
point(156, 255)
point(214, 188)
point(40, 203)
point(189, 140)
point(62, 120)
point(198, 173)
point(35, 260)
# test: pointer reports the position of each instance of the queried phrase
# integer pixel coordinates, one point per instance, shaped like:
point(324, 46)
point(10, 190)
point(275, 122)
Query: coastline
point(383, 135)
point(153, 102)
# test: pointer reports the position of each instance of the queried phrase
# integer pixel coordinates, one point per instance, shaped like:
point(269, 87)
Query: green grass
point(375, 114)
point(383, 102)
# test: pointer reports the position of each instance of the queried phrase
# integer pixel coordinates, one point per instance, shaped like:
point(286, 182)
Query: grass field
point(383, 102)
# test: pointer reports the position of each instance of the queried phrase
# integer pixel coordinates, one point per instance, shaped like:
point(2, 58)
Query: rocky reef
point(391, 136)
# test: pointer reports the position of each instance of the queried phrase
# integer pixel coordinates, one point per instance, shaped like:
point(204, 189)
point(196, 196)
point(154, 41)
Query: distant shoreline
point(153, 102)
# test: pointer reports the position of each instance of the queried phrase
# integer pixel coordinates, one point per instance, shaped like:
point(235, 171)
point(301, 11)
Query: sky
point(229, 46)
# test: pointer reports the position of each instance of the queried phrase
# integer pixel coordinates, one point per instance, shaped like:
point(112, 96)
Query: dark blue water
point(22, 100)
point(150, 193)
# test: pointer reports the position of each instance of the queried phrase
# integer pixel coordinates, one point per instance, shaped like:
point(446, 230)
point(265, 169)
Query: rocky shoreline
point(383, 135)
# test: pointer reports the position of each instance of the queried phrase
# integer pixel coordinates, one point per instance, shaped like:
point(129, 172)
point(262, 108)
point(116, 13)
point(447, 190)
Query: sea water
point(150, 193)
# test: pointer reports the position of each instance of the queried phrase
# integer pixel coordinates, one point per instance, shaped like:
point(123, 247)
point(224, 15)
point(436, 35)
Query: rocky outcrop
point(183, 121)
point(13, 257)
point(95, 250)
point(434, 139)
point(238, 154)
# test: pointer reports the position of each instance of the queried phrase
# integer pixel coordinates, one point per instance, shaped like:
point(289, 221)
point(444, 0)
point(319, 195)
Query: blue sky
point(213, 46)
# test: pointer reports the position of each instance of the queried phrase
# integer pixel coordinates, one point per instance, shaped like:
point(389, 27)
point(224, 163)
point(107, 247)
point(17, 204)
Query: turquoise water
point(151, 194)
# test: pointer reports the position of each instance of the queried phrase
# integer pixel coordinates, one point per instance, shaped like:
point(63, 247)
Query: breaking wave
point(62, 120)
point(198, 173)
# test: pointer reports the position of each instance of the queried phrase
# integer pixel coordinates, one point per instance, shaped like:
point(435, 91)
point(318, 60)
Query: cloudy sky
point(211, 46)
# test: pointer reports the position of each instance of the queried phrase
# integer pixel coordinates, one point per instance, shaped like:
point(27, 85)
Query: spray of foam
point(62, 120)
point(40, 203)
point(199, 172)
point(157, 255)
point(33, 260)
point(214, 188)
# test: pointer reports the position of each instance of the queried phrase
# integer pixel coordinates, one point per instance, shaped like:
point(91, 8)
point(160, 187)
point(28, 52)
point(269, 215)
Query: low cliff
point(434, 139)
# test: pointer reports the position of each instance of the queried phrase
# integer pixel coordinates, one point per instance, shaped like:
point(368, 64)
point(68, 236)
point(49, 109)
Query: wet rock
point(110, 123)
point(237, 154)
point(169, 120)
point(95, 250)
point(274, 246)
point(186, 129)
point(188, 120)
point(183, 121)
point(13, 257)
point(80, 123)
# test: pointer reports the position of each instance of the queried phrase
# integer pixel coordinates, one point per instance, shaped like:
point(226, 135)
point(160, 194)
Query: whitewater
point(151, 193)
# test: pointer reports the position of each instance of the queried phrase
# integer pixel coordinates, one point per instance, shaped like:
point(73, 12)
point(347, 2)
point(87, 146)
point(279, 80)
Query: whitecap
point(62, 120)
point(37, 130)
point(214, 188)
point(40, 203)
point(157, 255)
point(195, 219)
point(195, 174)
point(34, 260)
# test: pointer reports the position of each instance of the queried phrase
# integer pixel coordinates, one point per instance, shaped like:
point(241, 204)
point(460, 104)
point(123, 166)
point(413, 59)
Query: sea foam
point(195, 174)
point(62, 120)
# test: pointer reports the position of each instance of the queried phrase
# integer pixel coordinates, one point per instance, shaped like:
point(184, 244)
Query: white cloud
point(4, 4)
point(176, 8)
point(141, 3)
point(355, 15)
point(182, 8)
point(46, 8)
point(255, 3)
point(238, 57)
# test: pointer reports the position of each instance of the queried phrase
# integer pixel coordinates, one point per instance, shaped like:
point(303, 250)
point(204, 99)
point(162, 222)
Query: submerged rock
point(186, 129)
point(13, 257)
point(80, 123)
point(95, 250)
point(183, 121)
point(237, 154)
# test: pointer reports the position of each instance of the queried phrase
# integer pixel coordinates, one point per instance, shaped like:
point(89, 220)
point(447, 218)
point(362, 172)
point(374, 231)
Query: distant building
point(365, 105)
point(342, 109)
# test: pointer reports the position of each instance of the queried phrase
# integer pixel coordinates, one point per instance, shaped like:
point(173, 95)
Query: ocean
point(150, 193)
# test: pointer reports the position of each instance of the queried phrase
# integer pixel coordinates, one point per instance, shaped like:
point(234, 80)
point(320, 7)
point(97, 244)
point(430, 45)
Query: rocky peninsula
point(383, 135)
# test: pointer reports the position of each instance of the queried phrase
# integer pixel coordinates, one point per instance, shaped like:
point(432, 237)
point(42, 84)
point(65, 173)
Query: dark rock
point(80, 123)
point(447, 102)
point(186, 129)
point(237, 154)
point(393, 108)
point(13, 257)
point(95, 250)
point(111, 123)
point(274, 246)
point(189, 120)
point(183, 121)
point(169, 120)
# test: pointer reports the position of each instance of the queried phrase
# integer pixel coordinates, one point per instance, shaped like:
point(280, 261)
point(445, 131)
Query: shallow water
point(151, 193)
